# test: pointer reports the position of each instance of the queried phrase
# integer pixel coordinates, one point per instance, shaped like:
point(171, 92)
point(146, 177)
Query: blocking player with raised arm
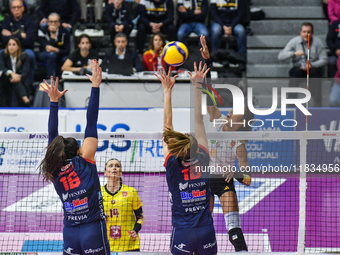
point(73, 172)
point(223, 154)
point(123, 209)
point(185, 155)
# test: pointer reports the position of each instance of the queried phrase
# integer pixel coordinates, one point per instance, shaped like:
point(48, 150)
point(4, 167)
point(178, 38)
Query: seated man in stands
point(122, 52)
point(68, 10)
point(22, 27)
point(296, 50)
point(192, 16)
point(227, 16)
point(98, 12)
point(156, 16)
point(79, 60)
point(333, 43)
point(54, 43)
point(119, 17)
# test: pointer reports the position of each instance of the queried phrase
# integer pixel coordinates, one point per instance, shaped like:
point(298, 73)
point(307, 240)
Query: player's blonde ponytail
point(181, 145)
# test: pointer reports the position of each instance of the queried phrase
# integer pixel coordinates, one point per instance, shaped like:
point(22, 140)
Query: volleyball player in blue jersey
point(185, 157)
point(73, 172)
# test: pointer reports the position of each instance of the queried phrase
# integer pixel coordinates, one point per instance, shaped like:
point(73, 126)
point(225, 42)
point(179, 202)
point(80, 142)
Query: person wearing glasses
point(21, 26)
point(54, 43)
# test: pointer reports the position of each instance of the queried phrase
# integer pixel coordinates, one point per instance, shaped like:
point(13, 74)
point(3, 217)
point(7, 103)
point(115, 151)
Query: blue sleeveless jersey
point(189, 190)
point(78, 187)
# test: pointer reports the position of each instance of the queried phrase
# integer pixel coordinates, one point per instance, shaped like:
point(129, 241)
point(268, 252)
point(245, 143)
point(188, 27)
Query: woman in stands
point(152, 59)
point(223, 154)
point(15, 87)
point(73, 172)
point(123, 209)
point(79, 60)
point(185, 156)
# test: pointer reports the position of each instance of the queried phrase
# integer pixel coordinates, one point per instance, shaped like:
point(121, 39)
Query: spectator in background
point(227, 16)
point(325, 8)
point(79, 61)
point(333, 10)
point(334, 97)
point(15, 88)
point(333, 43)
point(122, 52)
point(119, 17)
point(155, 16)
point(98, 12)
point(54, 43)
point(22, 27)
point(68, 10)
point(296, 49)
point(152, 59)
point(192, 16)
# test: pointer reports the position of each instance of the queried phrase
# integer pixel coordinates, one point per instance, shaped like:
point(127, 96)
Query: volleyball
point(175, 53)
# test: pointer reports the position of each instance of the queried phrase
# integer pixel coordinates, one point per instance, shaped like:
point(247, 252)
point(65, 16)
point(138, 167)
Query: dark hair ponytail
point(59, 150)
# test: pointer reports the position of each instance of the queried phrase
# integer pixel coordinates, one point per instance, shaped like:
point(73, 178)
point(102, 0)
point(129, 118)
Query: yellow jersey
point(120, 206)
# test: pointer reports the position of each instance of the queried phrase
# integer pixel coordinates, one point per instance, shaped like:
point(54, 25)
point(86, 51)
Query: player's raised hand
point(52, 90)
point(133, 235)
point(166, 79)
point(200, 74)
point(96, 77)
point(204, 50)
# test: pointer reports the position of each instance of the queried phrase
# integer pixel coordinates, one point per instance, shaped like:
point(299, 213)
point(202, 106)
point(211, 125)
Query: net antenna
point(303, 179)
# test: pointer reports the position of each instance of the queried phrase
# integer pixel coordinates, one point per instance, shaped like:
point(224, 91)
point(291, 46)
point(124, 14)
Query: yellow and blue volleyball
point(175, 53)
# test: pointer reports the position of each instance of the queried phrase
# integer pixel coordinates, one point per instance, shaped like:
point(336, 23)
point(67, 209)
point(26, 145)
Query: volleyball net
point(292, 204)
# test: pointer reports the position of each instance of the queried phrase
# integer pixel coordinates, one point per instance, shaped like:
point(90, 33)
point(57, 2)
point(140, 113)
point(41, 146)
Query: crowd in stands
point(50, 25)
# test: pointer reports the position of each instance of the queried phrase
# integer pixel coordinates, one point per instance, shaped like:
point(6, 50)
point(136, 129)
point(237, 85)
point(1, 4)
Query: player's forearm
point(167, 109)
point(53, 121)
point(92, 114)
point(139, 219)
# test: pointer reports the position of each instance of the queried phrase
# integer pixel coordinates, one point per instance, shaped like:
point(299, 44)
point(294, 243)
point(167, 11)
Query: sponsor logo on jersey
point(226, 188)
point(64, 168)
point(94, 250)
point(194, 209)
point(79, 62)
point(197, 184)
point(69, 251)
point(78, 203)
point(77, 218)
point(232, 144)
point(125, 193)
point(182, 186)
point(115, 232)
point(195, 195)
point(209, 245)
point(113, 201)
point(65, 196)
point(181, 246)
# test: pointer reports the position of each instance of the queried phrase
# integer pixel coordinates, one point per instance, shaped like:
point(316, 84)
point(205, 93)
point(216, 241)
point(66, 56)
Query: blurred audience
point(54, 43)
point(192, 16)
point(333, 10)
point(156, 16)
point(79, 60)
point(98, 12)
point(296, 50)
point(121, 51)
point(22, 27)
point(68, 10)
point(227, 16)
point(334, 97)
point(152, 59)
point(333, 43)
point(15, 87)
point(119, 17)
